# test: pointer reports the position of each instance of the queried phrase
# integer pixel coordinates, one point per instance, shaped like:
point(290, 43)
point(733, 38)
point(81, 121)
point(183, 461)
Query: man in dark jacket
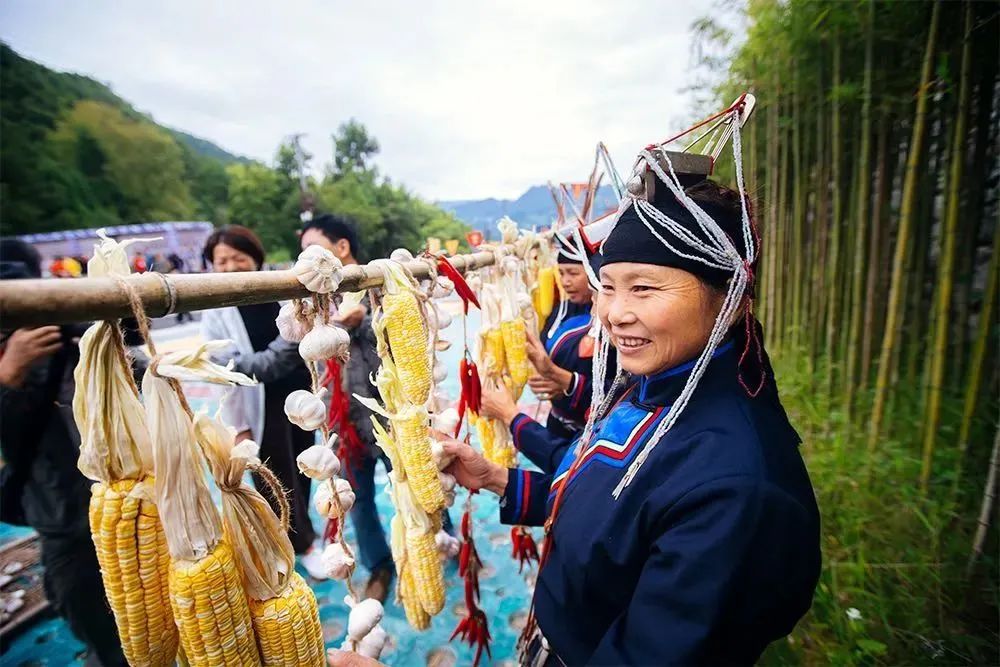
point(40, 445)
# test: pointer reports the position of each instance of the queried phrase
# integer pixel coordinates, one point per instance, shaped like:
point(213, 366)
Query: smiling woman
point(685, 496)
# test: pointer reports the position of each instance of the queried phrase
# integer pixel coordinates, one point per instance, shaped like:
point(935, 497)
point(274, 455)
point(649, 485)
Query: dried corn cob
point(283, 609)
point(116, 452)
point(287, 627)
point(403, 321)
point(406, 590)
point(544, 295)
point(132, 552)
point(206, 593)
point(414, 446)
point(515, 345)
point(494, 356)
point(421, 549)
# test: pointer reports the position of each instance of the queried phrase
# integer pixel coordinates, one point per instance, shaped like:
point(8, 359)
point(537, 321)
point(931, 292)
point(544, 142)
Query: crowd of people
point(681, 526)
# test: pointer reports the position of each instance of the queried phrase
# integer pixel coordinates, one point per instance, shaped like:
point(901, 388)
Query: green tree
point(353, 148)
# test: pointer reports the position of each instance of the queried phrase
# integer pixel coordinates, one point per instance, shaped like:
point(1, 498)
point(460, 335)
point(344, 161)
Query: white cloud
point(466, 100)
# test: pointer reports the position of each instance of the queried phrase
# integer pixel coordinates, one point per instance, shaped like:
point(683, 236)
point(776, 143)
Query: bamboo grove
point(873, 162)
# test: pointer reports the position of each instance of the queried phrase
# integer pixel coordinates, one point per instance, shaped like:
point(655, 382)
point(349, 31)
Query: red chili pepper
point(461, 287)
point(475, 389)
point(330, 532)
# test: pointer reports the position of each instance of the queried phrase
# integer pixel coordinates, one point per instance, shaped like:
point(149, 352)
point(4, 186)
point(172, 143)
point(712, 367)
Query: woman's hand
point(497, 403)
point(23, 349)
point(472, 470)
point(544, 388)
point(537, 355)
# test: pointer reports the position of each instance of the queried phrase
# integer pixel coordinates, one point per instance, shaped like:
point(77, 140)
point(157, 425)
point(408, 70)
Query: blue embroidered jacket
point(709, 554)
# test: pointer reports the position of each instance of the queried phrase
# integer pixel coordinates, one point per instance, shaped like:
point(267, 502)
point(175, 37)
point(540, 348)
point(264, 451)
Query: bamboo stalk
point(906, 217)
point(39, 302)
point(861, 227)
point(883, 181)
point(947, 264)
point(833, 267)
point(986, 508)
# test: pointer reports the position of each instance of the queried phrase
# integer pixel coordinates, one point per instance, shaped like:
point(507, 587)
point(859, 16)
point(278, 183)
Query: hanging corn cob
point(494, 439)
point(283, 608)
point(206, 592)
point(402, 332)
point(116, 452)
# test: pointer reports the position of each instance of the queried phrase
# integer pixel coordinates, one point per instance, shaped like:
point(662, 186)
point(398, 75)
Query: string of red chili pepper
point(474, 628)
point(524, 549)
point(470, 396)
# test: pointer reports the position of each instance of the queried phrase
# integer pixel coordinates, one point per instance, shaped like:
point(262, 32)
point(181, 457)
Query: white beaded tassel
point(716, 250)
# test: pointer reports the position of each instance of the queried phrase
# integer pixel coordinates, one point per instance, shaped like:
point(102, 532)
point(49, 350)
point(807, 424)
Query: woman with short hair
point(258, 413)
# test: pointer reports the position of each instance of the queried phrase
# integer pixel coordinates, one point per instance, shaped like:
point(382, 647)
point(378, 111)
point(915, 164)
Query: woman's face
point(658, 317)
point(573, 279)
point(227, 259)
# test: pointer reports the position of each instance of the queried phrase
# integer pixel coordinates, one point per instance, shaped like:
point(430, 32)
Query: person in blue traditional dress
point(562, 356)
point(681, 527)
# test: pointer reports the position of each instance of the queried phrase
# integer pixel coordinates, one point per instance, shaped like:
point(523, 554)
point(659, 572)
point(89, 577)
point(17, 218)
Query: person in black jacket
point(42, 486)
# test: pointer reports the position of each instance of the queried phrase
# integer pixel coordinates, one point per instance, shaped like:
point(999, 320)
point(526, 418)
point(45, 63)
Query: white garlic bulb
point(445, 421)
point(442, 317)
point(441, 460)
point(318, 462)
point(475, 282)
point(306, 409)
point(442, 287)
point(511, 264)
point(372, 645)
point(345, 494)
point(318, 269)
point(290, 327)
point(440, 372)
point(447, 481)
point(363, 618)
point(442, 345)
point(325, 341)
point(447, 545)
point(401, 255)
point(324, 503)
point(336, 561)
point(449, 498)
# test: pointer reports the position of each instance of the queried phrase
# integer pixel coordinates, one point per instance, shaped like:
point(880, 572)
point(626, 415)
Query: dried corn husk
point(263, 550)
point(190, 520)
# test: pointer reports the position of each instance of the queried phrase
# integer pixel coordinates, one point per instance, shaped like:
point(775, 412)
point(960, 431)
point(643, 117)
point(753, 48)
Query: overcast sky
point(467, 101)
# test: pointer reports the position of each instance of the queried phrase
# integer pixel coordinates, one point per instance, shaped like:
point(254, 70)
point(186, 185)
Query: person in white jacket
point(257, 412)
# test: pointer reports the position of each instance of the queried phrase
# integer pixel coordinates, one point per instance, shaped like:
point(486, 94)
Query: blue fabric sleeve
point(537, 442)
point(719, 537)
point(524, 501)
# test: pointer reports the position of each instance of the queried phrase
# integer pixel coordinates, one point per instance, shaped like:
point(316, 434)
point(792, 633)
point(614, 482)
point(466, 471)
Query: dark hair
point(236, 236)
point(335, 228)
point(21, 260)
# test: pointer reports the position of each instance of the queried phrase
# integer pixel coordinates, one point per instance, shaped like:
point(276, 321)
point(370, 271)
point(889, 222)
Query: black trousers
point(281, 443)
point(73, 585)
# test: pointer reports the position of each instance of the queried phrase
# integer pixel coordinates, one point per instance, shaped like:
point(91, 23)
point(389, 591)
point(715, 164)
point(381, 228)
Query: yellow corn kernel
point(211, 610)
point(493, 357)
point(544, 295)
point(407, 593)
point(428, 577)
point(414, 446)
point(515, 345)
point(287, 627)
point(132, 552)
point(408, 344)
point(484, 429)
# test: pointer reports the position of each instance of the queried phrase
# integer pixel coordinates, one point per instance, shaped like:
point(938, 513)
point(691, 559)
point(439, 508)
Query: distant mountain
point(206, 148)
point(534, 208)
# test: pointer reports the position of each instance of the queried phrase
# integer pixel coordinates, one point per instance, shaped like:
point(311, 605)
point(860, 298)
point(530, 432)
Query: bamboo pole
point(945, 280)
point(907, 212)
point(40, 302)
point(833, 267)
point(986, 508)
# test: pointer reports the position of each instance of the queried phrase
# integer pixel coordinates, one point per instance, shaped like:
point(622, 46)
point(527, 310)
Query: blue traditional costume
point(567, 339)
point(682, 528)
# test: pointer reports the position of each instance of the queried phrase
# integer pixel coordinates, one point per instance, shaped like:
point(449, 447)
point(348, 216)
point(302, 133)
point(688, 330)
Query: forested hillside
point(75, 155)
point(873, 158)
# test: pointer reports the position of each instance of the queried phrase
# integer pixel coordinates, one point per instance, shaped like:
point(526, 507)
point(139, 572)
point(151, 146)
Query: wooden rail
point(62, 301)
